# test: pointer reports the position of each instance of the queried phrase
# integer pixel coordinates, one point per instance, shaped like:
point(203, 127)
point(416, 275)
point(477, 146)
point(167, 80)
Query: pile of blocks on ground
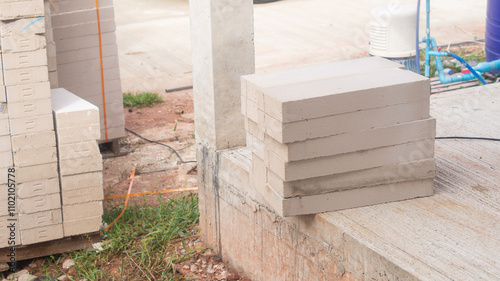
point(75, 32)
point(339, 135)
point(80, 162)
point(31, 129)
point(51, 192)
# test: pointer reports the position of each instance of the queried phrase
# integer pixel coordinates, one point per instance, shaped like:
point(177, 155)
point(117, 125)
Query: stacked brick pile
point(49, 137)
point(339, 135)
point(27, 118)
point(75, 33)
point(80, 162)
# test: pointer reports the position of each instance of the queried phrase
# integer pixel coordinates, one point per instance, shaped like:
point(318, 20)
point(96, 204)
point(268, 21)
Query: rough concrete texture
point(37, 188)
point(23, 76)
point(21, 9)
point(41, 234)
point(71, 110)
point(40, 219)
point(29, 108)
point(78, 150)
point(81, 181)
point(82, 195)
point(87, 225)
point(82, 211)
point(4, 125)
point(24, 59)
point(213, 88)
point(39, 203)
point(78, 133)
point(6, 159)
point(35, 156)
point(5, 144)
point(37, 172)
point(407, 240)
point(31, 125)
point(80, 165)
point(30, 92)
point(32, 141)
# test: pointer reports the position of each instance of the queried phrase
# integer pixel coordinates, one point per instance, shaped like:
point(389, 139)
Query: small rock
point(67, 263)
point(63, 278)
point(210, 268)
point(186, 266)
point(27, 277)
point(224, 275)
point(3, 267)
point(138, 112)
point(98, 247)
point(193, 268)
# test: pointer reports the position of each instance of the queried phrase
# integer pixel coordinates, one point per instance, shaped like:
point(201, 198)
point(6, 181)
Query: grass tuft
point(140, 100)
point(141, 243)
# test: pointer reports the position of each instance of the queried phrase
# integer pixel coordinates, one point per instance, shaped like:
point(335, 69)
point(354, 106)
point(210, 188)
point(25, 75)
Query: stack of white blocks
point(75, 33)
point(80, 162)
point(26, 97)
point(339, 135)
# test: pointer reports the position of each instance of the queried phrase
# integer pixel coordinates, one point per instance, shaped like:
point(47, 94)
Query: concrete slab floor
point(154, 38)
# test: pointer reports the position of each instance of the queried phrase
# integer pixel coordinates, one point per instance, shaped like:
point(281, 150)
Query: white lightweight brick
point(6, 159)
point(4, 211)
point(76, 7)
point(5, 144)
point(18, 28)
point(22, 42)
point(78, 150)
point(82, 211)
point(86, 54)
point(346, 123)
point(259, 166)
point(23, 76)
point(32, 125)
point(113, 132)
point(354, 161)
point(318, 98)
point(75, 68)
point(355, 141)
point(35, 156)
point(79, 181)
point(37, 188)
point(353, 198)
point(32, 141)
point(416, 170)
point(87, 41)
point(21, 9)
point(29, 92)
point(40, 219)
point(29, 108)
point(83, 29)
point(6, 235)
point(39, 203)
point(42, 234)
point(91, 77)
point(93, 92)
point(80, 165)
point(3, 95)
point(252, 111)
point(78, 133)
point(71, 110)
point(38, 172)
point(83, 226)
point(25, 59)
point(82, 195)
point(4, 125)
point(316, 72)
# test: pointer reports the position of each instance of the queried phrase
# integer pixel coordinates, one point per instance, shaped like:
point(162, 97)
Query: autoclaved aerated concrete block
point(21, 9)
point(12, 28)
point(70, 7)
point(78, 133)
point(87, 225)
point(31, 108)
point(40, 187)
point(40, 219)
point(415, 170)
point(4, 125)
point(24, 59)
point(72, 182)
point(31, 125)
point(29, 92)
point(82, 195)
point(5, 144)
point(82, 211)
point(80, 165)
point(78, 150)
point(39, 203)
point(35, 156)
point(6, 159)
point(349, 142)
point(336, 164)
point(82, 29)
point(71, 110)
point(41, 234)
point(37, 172)
point(32, 141)
point(22, 76)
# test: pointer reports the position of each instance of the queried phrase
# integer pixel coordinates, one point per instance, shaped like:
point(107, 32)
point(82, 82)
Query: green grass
point(140, 246)
point(454, 66)
point(140, 100)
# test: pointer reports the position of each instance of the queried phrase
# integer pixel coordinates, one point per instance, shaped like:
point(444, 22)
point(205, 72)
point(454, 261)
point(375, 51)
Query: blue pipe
point(460, 77)
point(417, 58)
point(427, 39)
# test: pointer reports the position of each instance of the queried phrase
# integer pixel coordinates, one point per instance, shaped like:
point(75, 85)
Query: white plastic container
point(393, 31)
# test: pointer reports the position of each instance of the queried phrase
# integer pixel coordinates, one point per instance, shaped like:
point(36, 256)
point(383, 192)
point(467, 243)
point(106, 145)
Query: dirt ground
point(159, 169)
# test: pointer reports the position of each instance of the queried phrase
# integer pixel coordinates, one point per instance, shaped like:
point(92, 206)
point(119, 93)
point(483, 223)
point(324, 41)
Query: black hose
point(467, 138)
point(152, 141)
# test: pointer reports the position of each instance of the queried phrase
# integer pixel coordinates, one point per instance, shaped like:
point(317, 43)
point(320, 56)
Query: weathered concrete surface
point(453, 235)
point(222, 46)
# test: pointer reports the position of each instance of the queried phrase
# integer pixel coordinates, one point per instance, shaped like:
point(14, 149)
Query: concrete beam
point(222, 51)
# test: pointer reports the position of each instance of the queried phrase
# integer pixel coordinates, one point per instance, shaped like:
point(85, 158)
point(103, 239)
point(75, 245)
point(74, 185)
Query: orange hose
point(126, 201)
point(151, 192)
point(102, 70)
point(57, 10)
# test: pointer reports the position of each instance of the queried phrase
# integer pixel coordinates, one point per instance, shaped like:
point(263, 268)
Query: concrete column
point(222, 51)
